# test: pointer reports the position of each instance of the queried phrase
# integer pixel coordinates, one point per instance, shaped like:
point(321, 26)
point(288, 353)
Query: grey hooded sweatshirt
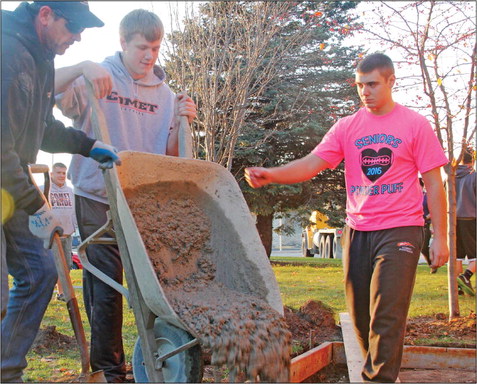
point(465, 181)
point(139, 115)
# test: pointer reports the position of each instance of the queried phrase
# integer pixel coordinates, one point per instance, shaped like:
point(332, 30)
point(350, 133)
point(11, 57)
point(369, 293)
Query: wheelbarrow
point(168, 350)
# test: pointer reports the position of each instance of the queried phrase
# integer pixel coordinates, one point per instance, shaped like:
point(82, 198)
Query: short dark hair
point(59, 165)
point(378, 61)
point(469, 155)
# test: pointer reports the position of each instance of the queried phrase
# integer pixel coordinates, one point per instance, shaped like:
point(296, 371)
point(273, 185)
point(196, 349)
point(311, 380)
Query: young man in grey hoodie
point(139, 108)
point(465, 182)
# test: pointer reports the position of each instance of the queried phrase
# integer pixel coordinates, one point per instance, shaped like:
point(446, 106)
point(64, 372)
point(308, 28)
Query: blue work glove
point(104, 154)
point(44, 224)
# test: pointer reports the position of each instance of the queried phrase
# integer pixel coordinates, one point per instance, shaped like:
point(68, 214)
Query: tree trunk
point(265, 230)
point(451, 273)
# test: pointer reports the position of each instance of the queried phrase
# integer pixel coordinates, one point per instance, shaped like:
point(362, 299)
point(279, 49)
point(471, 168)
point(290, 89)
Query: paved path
point(354, 357)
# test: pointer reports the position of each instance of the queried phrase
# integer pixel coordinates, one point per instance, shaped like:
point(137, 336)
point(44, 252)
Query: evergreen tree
point(313, 89)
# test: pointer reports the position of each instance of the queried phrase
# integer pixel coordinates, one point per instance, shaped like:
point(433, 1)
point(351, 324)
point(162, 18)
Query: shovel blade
point(91, 378)
point(97, 376)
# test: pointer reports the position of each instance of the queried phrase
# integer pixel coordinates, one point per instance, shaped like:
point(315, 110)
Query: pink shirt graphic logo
point(375, 164)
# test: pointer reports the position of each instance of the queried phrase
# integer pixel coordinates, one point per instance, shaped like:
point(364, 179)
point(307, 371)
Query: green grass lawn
point(307, 278)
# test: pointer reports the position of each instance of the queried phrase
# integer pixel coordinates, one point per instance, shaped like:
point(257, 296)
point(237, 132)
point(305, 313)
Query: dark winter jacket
point(465, 192)
point(27, 102)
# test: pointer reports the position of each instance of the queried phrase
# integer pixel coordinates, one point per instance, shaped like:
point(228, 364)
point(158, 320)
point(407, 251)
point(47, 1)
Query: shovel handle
point(41, 169)
point(64, 275)
point(72, 304)
point(100, 128)
point(185, 138)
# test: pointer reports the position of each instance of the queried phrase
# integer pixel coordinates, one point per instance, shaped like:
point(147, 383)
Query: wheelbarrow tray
point(237, 251)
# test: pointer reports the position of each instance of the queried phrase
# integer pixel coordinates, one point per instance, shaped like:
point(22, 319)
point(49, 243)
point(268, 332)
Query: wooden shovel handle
point(185, 138)
point(64, 276)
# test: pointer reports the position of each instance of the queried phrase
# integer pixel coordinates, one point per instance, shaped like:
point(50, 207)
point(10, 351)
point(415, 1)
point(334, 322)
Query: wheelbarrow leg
point(97, 238)
point(145, 327)
point(144, 317)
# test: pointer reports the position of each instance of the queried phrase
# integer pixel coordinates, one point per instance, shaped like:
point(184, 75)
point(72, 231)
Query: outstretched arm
point(98, 76)
point(437, 203)
point(297, 171)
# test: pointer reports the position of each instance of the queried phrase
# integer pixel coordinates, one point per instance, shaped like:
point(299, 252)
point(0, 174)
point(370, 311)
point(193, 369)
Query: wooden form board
point(349, 352)
point(310, 362)
point(431, 357)
point(415, 357)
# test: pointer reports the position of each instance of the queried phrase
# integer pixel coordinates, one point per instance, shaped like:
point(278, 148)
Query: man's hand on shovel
point(44, 224)
point(104, 154)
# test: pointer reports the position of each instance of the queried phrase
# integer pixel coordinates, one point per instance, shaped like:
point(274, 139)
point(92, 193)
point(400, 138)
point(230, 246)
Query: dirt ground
point(461, 329)
point(314, 324)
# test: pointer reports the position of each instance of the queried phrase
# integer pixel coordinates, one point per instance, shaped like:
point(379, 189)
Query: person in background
point(140, 112)
point(385, 145)
point(32, 35)
point(62, 201)
point(465, 188)
point(427, 228)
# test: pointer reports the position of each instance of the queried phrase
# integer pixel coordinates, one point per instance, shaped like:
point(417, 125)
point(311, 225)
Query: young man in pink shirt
point(385, 145)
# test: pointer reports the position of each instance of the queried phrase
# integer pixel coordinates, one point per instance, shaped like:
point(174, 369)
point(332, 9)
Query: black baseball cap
point(74, 11)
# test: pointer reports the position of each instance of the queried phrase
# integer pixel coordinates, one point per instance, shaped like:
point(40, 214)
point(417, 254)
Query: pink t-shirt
point(383, 155)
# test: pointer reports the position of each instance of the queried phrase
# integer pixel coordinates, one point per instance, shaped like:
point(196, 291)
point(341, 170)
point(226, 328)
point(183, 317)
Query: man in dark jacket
point(31, 37)
point(465, 188)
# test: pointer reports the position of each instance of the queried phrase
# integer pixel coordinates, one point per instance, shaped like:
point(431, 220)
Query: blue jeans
point(34, 278)
point(4, 272)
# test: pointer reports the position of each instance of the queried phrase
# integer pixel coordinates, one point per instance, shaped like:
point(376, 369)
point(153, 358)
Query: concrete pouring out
point(242, 331)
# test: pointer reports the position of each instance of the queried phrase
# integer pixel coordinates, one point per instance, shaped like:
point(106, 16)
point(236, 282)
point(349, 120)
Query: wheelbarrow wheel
point(183, 367)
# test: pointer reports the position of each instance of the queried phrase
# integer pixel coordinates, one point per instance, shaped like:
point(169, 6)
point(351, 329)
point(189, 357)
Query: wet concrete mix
point(242, 331)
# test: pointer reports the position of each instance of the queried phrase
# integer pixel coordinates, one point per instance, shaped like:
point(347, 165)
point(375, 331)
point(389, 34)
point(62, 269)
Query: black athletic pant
point(104, 305)
point(425, 245)
point(380, 271)
point(466, 238)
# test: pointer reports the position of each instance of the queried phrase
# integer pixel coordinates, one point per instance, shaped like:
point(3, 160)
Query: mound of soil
point(49, 340)
point(311, 325)
point(461, 329)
